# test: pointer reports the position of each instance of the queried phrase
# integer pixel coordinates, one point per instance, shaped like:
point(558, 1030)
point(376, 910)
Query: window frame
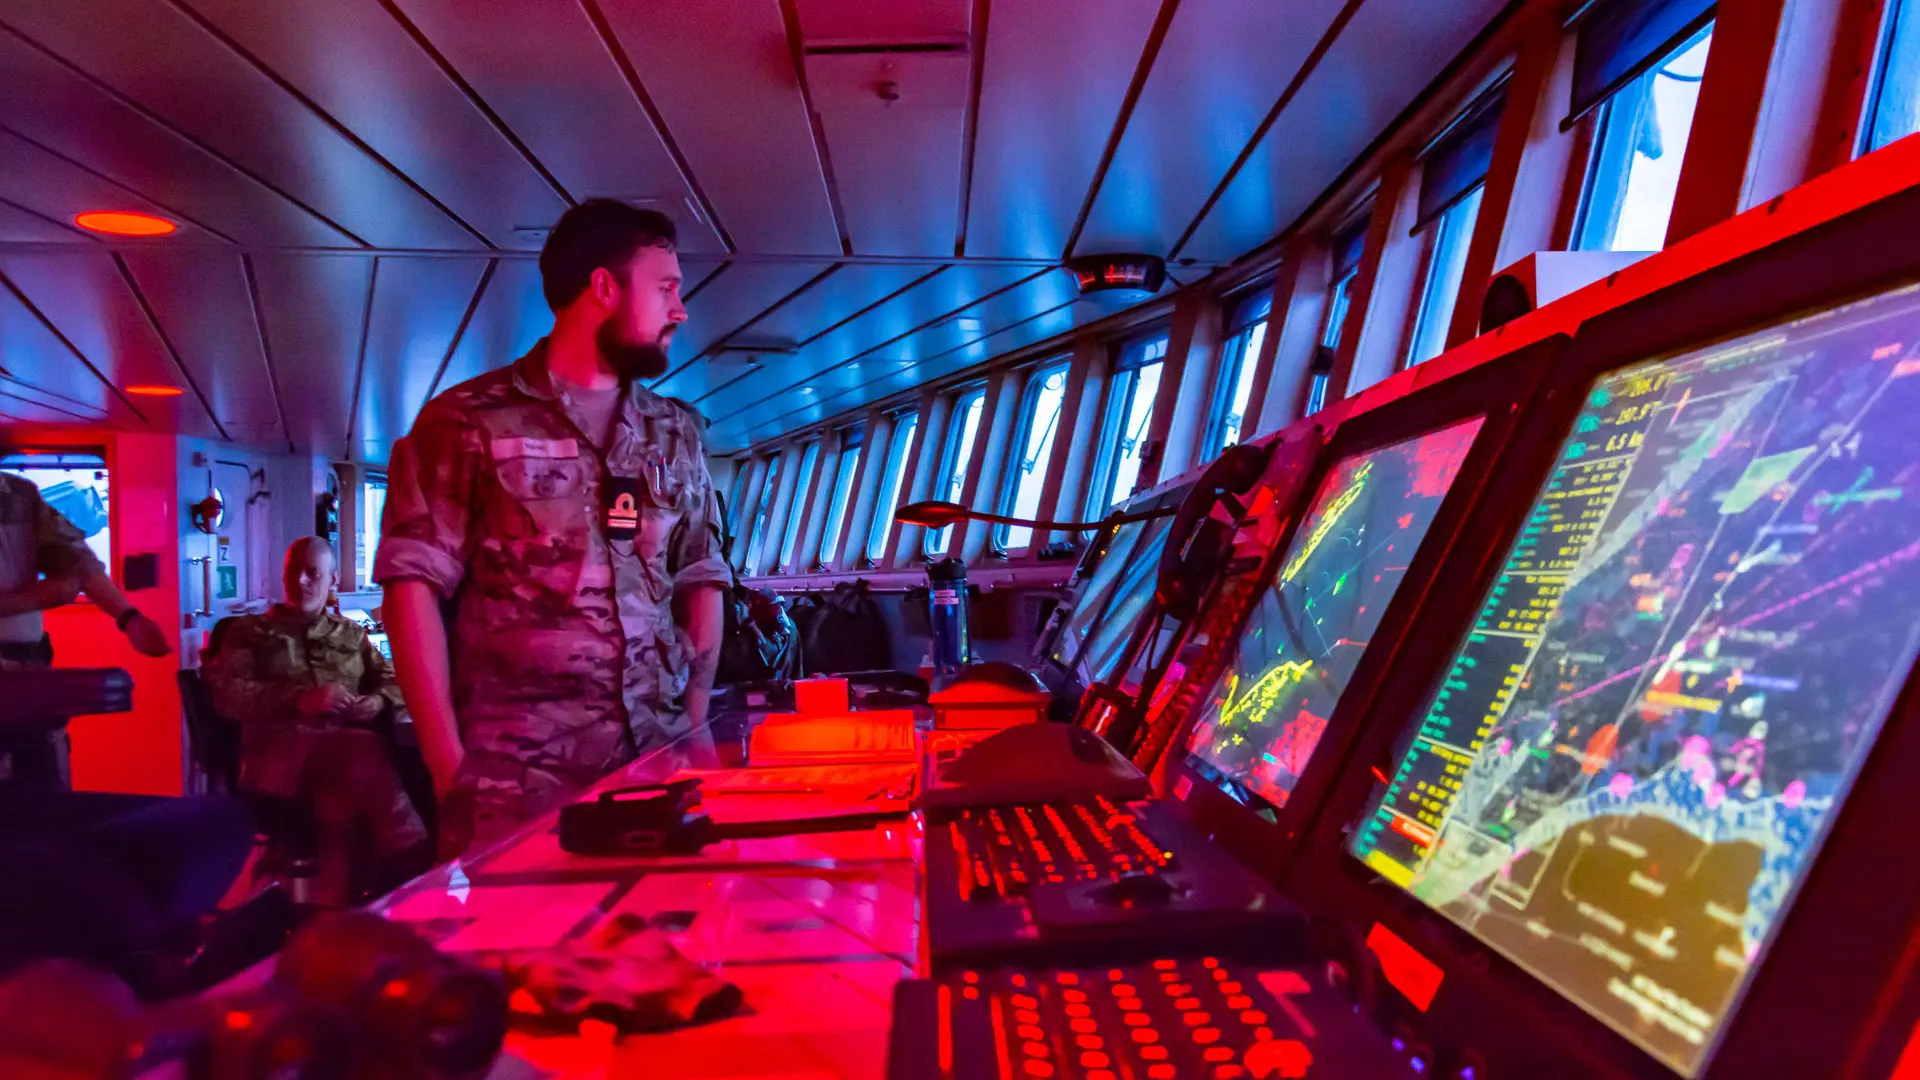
point(1605, 162)
point(369, 524)
point(1450, 232)
point(1868, 139)
point(1129, 358)
point(788, 553)
point(1252, 312)
point(758, 521)
point(840, 498)
point(971, 398)
point(904, 429)
point(1016, 471)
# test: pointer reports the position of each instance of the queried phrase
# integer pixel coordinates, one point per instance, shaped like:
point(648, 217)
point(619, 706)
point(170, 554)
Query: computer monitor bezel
point(1801, 1013)
point(1265, 838)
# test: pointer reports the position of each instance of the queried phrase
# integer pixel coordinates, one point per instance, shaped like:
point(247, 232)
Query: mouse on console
point(1137, 890)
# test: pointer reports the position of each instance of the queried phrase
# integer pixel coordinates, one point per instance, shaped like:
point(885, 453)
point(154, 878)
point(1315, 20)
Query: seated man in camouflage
point(306, 687)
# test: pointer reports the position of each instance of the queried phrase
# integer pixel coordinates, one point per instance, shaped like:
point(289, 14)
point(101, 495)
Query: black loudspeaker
point(140, 572)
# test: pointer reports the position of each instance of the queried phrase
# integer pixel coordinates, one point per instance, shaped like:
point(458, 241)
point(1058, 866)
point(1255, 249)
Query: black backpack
point(847, 632)
point(757, 637)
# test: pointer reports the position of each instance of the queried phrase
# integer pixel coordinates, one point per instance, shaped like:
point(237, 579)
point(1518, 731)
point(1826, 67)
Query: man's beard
point(631, 359)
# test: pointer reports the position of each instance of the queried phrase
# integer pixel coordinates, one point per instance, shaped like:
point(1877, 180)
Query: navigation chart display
point(1307, 633)
point(1677, 672)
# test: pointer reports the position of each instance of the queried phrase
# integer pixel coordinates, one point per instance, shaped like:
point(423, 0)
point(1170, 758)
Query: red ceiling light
point(125, 223)
point(155, 391)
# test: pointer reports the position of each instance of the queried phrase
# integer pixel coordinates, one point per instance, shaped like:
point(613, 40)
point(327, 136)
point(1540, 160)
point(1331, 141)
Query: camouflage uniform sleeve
point(379, 675)
point(425, 532)
point(697, 558)
point(233, 680)
point(59, 547)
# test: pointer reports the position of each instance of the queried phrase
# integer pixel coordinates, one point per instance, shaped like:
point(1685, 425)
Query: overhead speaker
point(1118, 273)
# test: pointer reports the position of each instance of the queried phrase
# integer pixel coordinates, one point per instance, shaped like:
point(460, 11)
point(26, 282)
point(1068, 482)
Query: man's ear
point(603, 286)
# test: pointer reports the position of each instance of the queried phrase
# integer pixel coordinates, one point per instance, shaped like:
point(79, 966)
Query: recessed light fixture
point(968, 324)
point(155, 391)
point(806, 390)
point(125, 223)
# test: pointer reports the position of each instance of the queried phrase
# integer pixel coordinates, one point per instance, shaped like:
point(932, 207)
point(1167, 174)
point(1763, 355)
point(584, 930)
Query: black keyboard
point(1200, 1019)
point(1050, 882)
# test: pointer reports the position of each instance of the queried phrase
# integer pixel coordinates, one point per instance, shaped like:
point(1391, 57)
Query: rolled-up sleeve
point(427, 528)
point(697, 558)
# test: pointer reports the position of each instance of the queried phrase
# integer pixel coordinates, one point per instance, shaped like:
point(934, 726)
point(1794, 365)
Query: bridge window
point(951, 481)
point(373, 505)
point(1136, 383)
point(1894, 112)
point(1348, 245)
point(1453, 175)
point(76, 486)
point(1246, 331)
point(899, 449)
point(1640, 65)
point(841, 495)
point(737, 490)
point(762, 510)
point(797, 506)
point(1033, 438)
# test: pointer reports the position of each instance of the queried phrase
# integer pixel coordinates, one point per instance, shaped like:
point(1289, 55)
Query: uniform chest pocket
point(542, 499)
point(533, 479)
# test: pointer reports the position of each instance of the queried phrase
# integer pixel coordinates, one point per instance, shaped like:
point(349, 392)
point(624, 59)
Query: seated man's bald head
point(310, 574)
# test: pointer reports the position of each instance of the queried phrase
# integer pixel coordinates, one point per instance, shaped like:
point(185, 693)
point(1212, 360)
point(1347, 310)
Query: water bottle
point(947, 617)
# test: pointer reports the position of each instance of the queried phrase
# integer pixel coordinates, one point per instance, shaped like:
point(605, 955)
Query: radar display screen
point(1679, 668)
point(1306, 634)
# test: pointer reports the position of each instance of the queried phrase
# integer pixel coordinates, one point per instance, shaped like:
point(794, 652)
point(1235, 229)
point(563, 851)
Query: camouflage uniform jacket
point(265, 662)
point(560, 567)
point(34, 540)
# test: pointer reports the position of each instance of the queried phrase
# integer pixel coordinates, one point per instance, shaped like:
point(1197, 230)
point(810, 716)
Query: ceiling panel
point(158, 57)
point(897, 163)
point(57, 108)
point(200, 300)
point(741, 292)
point(33, 357)
point(22, 226)
point(877, 381)
point(897, 22)
point(1340, 110)
point(1220, 69)
point(1045, 116)
point(751, 147)
point(848, 290)
point(87, 299)
point(869, 339)
point(511, 318)
point(358, 63)
point(313, 307)
point(759, 400)
point(417, 304)
point(45, 184)
point(542, 69)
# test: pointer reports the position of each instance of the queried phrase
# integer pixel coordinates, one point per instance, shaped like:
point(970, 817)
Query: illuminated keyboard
point(1049, 882)
point(1200, 1019)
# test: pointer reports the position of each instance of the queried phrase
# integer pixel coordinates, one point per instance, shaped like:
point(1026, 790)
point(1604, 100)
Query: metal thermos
point(947, 616)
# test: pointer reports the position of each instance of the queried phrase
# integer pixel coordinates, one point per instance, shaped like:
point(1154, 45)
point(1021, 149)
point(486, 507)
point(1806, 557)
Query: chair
point(286, 826)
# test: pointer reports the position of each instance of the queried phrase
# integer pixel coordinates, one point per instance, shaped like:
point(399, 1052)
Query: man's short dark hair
point(597, 233)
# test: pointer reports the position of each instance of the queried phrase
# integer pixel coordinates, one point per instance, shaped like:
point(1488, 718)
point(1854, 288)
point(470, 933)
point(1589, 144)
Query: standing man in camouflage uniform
point(306, 687)
point(563, 515)
point(34, 541)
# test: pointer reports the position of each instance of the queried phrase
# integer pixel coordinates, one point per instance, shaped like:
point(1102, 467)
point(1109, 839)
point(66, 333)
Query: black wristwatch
point(126, 617)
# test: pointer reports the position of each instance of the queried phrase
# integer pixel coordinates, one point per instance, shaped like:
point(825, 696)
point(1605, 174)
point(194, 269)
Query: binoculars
point(351, 997)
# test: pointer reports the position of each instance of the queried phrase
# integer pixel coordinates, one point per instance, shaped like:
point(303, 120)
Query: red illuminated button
point(1281, 1059)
